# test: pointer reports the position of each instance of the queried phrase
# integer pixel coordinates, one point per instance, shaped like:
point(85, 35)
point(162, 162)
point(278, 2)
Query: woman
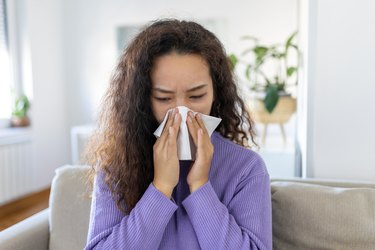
point(144, 197)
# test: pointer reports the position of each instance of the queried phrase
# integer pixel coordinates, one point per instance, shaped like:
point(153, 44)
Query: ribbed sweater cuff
point(156, 201)
point(202, 202)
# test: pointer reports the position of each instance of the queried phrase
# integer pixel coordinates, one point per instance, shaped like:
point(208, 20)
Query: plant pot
point(285, 108)
point(20, 121)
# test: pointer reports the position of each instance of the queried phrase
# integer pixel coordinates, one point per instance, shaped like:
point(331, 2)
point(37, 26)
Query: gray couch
point(307, 214)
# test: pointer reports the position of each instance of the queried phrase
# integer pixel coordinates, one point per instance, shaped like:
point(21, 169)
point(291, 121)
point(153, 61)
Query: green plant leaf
point(263, 55)
point(290, 71)
point(247, 72)
point(260, 51)
point(294, 46)
point(21, 105)
point(288, 42)
point(271, 99)
point(233, 60)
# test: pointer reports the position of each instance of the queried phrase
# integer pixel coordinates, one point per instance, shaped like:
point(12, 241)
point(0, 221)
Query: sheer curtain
point(5, 70)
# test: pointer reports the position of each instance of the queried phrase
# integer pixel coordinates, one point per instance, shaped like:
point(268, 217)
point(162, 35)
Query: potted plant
point(19, 113)
point(270, 74)
point(268, 69)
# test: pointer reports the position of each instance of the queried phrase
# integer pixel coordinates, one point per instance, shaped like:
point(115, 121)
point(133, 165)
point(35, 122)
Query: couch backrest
point(316, 214)
point(69, 208)
point(307, 213)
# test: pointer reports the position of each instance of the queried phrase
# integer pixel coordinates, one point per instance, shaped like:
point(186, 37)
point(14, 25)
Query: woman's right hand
point(166, 164)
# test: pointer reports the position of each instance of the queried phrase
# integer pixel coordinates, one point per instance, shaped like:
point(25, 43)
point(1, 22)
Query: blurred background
point(60, 56)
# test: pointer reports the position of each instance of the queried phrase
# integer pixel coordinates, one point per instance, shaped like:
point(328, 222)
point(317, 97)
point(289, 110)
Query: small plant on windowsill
point(19, 113)
point(268, 69)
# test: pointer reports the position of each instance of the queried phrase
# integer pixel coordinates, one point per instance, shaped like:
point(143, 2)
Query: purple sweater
point(231, 211)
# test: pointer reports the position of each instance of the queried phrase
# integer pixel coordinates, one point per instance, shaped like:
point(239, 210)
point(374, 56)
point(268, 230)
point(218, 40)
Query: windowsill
point(15, 135)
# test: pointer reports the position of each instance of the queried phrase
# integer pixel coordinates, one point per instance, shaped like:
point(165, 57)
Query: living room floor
point(22, 208)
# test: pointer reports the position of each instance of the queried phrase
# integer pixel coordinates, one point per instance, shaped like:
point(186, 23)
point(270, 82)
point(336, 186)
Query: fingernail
point(175, 117)
point(189, 119)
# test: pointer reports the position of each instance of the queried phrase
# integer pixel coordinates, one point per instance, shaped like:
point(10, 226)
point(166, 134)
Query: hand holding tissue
point(186, 148)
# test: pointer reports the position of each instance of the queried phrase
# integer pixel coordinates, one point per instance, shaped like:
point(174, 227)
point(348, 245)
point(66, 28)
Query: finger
point(164, 134)
point(172, 138)
point(172, 135)
point(168, 140)
point(201, 123)
point(177, 122)
point(200, 139)
point(192, 126)
point(171, 119)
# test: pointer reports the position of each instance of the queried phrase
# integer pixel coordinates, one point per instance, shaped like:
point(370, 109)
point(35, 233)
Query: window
point(5, 69)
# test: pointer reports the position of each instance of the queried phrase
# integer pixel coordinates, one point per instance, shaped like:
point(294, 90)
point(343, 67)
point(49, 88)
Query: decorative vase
point(20, 121)
point(285, 108)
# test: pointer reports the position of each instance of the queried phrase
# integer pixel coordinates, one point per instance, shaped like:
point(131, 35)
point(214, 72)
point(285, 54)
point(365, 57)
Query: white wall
point(339, 44)
point(90, 38)
point(49, 127)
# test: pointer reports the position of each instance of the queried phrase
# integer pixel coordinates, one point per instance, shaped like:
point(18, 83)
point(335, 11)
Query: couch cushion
point(69, 208)
point(321, 216)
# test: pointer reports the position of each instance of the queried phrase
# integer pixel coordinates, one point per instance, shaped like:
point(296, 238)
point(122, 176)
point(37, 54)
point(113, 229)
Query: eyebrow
point(171, 92)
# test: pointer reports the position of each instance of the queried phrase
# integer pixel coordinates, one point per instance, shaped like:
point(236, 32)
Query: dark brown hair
point(122, 145)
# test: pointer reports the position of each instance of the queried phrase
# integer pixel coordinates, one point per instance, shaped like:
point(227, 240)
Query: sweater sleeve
point(143, 228)
point(245, 224)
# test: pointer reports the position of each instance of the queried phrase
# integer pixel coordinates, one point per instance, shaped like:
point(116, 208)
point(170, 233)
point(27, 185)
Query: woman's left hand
point(198, 174)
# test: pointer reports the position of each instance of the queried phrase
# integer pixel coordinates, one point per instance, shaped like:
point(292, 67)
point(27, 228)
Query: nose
point(181, 102)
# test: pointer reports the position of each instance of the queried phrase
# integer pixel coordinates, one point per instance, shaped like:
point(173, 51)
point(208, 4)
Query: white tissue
point(185, 145)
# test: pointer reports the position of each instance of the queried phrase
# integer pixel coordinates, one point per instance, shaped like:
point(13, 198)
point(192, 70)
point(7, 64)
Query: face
point(181, 80)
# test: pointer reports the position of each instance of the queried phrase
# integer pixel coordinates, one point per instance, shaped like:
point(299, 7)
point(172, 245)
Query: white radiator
point(16, 172)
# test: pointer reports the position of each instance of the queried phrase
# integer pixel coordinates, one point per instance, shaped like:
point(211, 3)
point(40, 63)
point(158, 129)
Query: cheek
point(208, 105)
point(203, 107)
point(158, 111)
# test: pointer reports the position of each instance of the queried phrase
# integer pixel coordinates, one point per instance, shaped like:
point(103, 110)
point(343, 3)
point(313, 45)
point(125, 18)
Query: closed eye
point(197, 96)
point(163, 99)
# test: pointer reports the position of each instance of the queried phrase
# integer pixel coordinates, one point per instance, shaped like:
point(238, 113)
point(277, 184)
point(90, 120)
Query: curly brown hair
point(122, 144)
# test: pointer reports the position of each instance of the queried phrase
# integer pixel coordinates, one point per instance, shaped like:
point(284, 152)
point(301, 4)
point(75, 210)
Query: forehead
point(180, 71)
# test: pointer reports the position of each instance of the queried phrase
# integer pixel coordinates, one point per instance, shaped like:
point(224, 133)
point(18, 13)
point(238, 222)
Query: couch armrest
point(31, 234)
